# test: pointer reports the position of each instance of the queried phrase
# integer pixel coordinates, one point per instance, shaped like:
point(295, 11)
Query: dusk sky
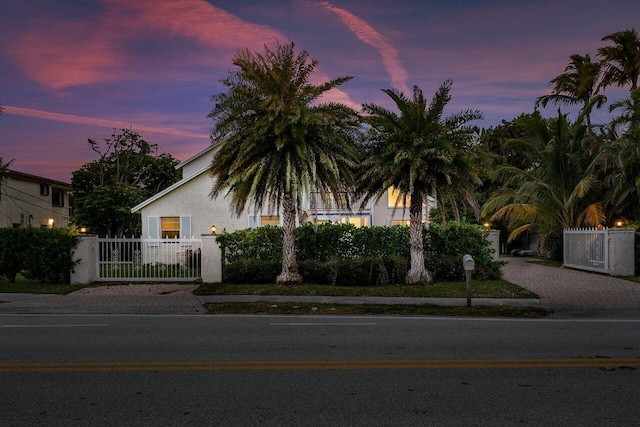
point(76, 69)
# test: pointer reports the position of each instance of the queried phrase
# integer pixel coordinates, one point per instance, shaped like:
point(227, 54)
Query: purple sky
point(73, 69)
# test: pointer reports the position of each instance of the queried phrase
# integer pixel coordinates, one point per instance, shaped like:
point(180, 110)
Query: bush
point(252, 271)
point(44, 254)
point(344, 254)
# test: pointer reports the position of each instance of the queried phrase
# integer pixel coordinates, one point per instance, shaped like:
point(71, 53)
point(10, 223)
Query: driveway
point(574, 293)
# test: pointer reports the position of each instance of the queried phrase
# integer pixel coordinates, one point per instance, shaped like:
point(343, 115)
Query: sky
point(73, 70)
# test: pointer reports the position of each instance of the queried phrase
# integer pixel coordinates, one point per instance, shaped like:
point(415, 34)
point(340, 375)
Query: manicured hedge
point(346, 255)
point(42, 254)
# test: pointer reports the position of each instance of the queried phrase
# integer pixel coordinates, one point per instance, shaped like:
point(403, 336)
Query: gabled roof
point(182, 182)
point(33, 178)
point(196, 156)
point(169, 189)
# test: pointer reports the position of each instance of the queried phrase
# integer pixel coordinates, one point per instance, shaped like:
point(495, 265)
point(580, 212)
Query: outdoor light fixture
point(486, 224)
point(83, 230)
point(619, 223)
point(213, 229)
point(50, 222)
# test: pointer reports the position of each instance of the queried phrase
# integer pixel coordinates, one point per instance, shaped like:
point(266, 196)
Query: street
point(323, 370)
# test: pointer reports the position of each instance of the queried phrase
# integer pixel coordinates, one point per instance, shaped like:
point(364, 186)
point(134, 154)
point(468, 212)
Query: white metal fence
point(586, 249)
point(131, 259)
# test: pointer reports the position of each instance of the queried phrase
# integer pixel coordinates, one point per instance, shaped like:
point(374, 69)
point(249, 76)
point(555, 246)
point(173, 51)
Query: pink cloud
point(367, 34)
point(68, 118)
point(62, 53)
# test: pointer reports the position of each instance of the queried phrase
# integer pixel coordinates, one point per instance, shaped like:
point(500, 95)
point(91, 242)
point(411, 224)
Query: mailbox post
point(469, 265)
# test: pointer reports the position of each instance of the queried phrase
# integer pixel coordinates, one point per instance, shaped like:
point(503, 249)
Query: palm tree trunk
point(417, 272)
point(289, 274)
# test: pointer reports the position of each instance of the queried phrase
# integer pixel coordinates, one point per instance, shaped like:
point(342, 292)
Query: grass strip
point(304, 308)
point(479, 289)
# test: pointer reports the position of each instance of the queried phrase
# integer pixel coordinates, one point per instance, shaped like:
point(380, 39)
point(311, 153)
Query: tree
point(128, 171)
point(417, 153)
point(553, 191)
point(4, 166)
point(621, 61)
point(578, 85)
point(279, 145)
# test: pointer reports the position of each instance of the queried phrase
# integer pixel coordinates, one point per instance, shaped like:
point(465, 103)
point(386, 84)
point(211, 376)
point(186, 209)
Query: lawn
point(479, 289)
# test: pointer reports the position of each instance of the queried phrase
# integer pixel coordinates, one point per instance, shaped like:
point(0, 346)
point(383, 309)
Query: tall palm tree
point(578, 85)
point(415, 153)
point(279, 145)
point(622, 60)
point(553, 191)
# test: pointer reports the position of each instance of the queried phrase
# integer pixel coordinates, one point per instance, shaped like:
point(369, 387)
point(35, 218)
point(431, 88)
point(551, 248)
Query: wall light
point(50, 222)
point(213, 229)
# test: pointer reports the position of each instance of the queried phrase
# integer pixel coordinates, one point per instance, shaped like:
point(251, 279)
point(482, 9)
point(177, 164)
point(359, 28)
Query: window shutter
point(154, 227)
point(185, 227)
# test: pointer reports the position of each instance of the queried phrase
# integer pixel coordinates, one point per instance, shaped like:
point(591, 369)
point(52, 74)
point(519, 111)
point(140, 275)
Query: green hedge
point(42, 254)
point(346, 255)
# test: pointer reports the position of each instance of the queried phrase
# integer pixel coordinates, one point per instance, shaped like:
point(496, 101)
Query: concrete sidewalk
point(568, 293)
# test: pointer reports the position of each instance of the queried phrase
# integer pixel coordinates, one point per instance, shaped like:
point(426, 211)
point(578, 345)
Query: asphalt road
point(303, 371)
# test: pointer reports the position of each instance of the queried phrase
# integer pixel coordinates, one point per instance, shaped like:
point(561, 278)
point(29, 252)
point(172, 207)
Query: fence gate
point(131, 259)
point(586, 249)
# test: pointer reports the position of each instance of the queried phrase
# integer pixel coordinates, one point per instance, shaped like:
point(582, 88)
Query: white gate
point(131, 259)
point(586, 249)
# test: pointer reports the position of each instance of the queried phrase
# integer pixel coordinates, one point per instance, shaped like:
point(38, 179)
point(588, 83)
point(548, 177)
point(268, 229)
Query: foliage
point(279, 144)
point(350, 256)
point(554, 191)
point(419, 153)
point(128, 171)
point(44, 254)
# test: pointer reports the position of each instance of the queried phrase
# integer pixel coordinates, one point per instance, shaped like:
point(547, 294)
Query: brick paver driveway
point(574, 293)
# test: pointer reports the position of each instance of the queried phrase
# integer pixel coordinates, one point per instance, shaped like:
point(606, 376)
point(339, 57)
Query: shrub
point(45, 254)
point(253, 271)
point(344, 254)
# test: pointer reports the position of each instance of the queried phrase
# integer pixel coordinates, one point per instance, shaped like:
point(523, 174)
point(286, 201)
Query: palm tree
point(553, 191)
point(622, 60)
point(578, 85)
point(279, 145)
point(415, 153)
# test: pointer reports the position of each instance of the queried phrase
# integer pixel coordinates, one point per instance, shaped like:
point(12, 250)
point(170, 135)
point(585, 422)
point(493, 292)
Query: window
point(169, 227)
point(44, 190)
point(57, 198)
point(404, 222)
point(269, 220)
point(395, 199)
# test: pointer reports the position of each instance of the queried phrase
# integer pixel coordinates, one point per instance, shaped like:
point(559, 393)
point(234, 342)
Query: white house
point(186, 209)
point(32, 201)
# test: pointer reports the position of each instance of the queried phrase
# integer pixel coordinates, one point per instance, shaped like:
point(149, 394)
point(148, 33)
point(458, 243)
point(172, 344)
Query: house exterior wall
point(192, 200)
point(27, 200)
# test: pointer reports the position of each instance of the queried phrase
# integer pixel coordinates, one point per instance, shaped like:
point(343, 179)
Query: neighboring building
point(186, 209)
point(33, 201)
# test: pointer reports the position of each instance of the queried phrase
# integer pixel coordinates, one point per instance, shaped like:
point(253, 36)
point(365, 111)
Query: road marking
point(322, 324)
point(314, 365)
point(55, 326)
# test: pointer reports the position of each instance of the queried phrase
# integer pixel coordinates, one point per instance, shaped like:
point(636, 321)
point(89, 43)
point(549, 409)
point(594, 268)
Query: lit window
point(269, 220)
point(395, 199)
point(170, 227)
point(404, 222)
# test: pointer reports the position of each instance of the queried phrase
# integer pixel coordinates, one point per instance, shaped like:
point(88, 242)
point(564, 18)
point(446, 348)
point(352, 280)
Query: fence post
point(621, 252)
point(211, 260)
point(494, 239)
point(84, 272)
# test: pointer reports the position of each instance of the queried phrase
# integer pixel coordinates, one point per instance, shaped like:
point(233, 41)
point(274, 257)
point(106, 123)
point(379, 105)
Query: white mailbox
point(468, 263)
